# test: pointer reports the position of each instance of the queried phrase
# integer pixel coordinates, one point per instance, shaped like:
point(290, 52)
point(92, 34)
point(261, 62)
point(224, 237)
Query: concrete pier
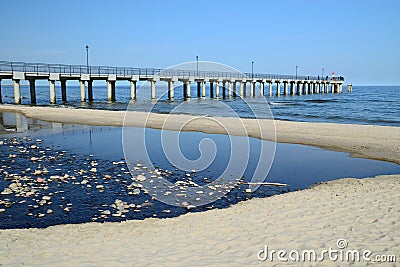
point(217, 89)
point(203, 89)
point(300, 88)
point(31, 72)
point(229, 89)
point(187, 85)
point(90, 90)
point(261, 88)
point(153, 89)
point(52, 85)
point(234, 88)
point(198, 89)
point(285, 87)
point(83, 90)
point(110, 90)
point(270, 88)
point(17, 92)
point(291, 87)
point(132, 84)
point(349, 87)
point(32, 90)
point(278, 87)
point(63, 90)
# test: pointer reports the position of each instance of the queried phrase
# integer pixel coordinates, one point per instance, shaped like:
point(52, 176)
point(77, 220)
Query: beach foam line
point(368, 141)
point(362, 213)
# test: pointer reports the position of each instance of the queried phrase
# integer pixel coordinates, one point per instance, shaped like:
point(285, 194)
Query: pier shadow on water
point(52, 173)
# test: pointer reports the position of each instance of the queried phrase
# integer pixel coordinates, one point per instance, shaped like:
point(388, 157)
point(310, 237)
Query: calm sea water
point(378, 105)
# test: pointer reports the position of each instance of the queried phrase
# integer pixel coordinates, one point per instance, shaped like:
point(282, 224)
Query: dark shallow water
point(77, 194)
point(377, 105)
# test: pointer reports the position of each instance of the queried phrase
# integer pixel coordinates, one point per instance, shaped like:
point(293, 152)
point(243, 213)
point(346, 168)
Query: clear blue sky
point(357, 39)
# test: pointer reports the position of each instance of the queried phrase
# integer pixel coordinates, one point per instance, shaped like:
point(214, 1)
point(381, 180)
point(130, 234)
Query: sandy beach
point(363, 212)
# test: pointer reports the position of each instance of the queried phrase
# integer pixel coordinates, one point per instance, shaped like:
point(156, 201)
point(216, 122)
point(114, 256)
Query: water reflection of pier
point(16, 122)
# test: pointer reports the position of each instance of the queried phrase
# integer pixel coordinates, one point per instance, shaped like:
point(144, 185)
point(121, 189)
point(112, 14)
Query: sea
point(376, 105)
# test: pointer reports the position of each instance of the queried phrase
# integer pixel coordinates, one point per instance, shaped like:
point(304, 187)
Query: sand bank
point(375, 142)
point(366, 213)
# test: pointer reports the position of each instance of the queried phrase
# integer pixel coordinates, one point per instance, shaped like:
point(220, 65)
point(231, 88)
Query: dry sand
point(365, 212)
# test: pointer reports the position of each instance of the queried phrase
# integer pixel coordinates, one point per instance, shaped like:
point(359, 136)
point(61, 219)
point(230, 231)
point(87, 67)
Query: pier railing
point(44, 68)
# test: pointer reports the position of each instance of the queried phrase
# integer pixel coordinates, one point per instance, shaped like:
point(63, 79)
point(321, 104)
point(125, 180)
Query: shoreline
point(366, 141)
point(364, 212)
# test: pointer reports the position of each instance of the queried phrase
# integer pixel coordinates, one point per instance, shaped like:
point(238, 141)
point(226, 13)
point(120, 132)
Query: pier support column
point(203, 89)
point(186, 86)
point(349, 87)
point(133, 89)
point(198, 89)
point(17, 92)
point(211, 89)
point(234, 88)
point(251, 89)
point(217, 89)
point(340, 88)
point(63, 90)
point(285, 92)
point(83, 90)
point(1, 97)
point(318, 87)
point(241, 89)
point(153, 89)
point(32, 90)
point(223, 89)
point(292, 87)
point(278, 88)
point(171, 92)
point(312, 88)
point(90, 90)
point(299, 87)
point(306, 88)
point(270, 88)
point(111, 90)
point(52, 85)
point(229, 89)
point(244, 89)
point(261, 88)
